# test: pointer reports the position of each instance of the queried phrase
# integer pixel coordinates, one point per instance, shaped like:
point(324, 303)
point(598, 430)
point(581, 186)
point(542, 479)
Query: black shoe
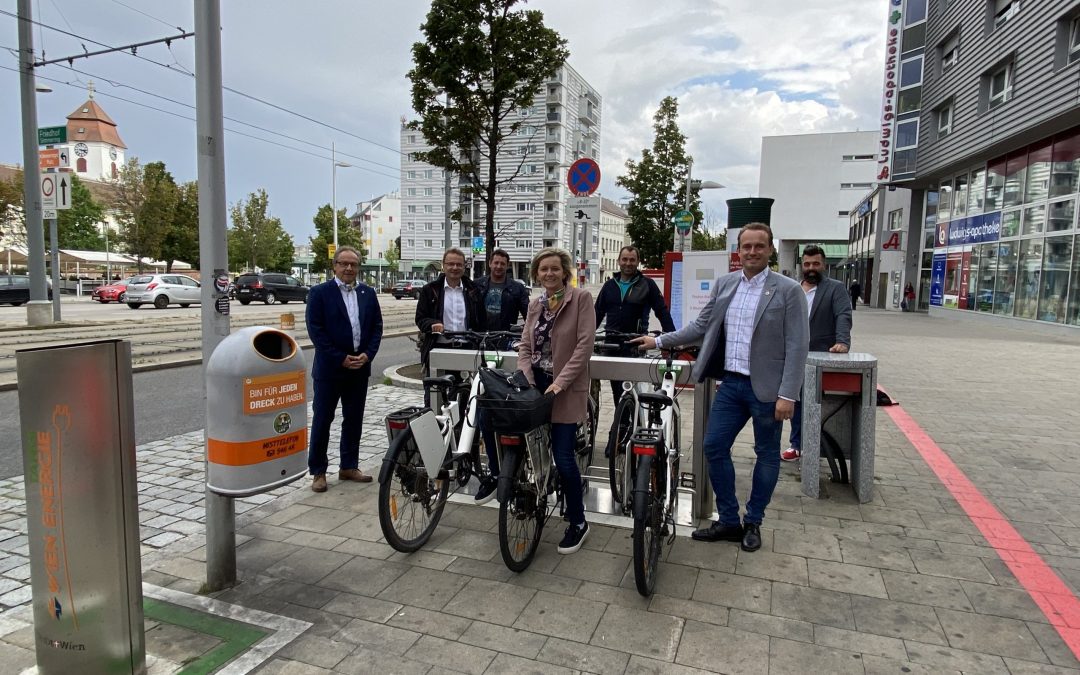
point(574, 538)
point(486, 492)
point(719, 532)
point(751, 541)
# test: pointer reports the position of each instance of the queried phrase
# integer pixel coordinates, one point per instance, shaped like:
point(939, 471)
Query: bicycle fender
point(641, 485)
point(388, 459)
point(508, 468)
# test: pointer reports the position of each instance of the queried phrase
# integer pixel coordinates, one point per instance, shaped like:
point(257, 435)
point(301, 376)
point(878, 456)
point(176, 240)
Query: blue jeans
point(488, 434)
point(735, 403)
point(796, 426)
point(563, 448)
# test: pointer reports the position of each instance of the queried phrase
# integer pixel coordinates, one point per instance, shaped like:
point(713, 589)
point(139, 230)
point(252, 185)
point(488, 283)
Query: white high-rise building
point(379, 220)
point(562, 125)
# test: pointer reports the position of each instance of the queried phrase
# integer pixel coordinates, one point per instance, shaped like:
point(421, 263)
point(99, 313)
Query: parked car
point(114, 292)
point(162, 290)
point(15, 289)
point(408, 288)
point(270, 287)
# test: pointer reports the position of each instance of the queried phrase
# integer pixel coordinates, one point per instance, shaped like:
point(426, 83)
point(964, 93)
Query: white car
point(162, 290)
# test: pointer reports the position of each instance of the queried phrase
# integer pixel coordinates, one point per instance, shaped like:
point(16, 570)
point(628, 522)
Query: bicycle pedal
point(686, 479)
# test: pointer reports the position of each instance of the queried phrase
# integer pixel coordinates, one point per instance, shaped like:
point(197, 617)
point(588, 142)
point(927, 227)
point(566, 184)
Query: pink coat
point(572, 339)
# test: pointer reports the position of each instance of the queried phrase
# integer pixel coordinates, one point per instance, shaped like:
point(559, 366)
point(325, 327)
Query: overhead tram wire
point(117, 83)
point(232, 90)
point(192, 119)
point(149, 16)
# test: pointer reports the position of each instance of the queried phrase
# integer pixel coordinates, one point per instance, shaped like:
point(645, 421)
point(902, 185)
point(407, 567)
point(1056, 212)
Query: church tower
point(98, 152)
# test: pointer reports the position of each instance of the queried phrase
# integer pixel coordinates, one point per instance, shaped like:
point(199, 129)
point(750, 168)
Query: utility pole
point(37, 310)
point(214, 257)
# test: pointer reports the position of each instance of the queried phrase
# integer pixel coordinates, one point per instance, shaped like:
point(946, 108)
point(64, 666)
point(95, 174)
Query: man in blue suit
point(754, 336)
point(345, 324)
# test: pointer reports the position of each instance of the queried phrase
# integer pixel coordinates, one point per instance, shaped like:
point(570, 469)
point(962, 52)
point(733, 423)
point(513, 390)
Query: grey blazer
point(779, 343)
point(830, 317)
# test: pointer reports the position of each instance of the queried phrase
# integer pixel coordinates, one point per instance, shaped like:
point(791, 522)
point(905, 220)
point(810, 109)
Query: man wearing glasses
point(345, 324)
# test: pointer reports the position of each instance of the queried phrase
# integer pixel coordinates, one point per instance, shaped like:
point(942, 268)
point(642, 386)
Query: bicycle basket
point(511, 403)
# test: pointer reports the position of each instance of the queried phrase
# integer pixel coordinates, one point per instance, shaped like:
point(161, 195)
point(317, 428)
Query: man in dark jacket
point(505, 299)
point(450, 303)
point(626, 300)
point(830, 325)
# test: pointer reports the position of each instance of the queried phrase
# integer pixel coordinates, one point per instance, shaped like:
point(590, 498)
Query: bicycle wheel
point(586, 440)
point(411, 502)
point(622, 428)
point(648, 522)
point(521, 522)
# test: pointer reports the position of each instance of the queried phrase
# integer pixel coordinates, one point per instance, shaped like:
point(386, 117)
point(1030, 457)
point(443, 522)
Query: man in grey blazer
point(830, 325)
point(753, 334)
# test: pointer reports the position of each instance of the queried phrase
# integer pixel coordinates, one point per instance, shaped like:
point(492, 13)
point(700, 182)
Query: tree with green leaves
point(77, 227)
point(182, 240)
point(392, 255)
point(256, 239)
point(348, 235)
point(480, 61)
point(657, 184)
point(12, 220)
point(146, 199)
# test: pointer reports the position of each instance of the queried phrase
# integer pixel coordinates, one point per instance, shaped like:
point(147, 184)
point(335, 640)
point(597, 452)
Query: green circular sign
point(684, 221)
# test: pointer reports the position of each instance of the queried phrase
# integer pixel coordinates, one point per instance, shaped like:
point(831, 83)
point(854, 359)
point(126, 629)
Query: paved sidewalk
point(903, 584)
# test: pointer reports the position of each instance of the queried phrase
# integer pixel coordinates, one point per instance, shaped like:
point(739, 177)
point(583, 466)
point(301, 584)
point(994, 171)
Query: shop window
point(1037, 186)
point(995, 184)
point(1035, 220)
point(1027, 283)
point(945, 193)
point(983, 276)
point(1065, 169)
point(1055, 279)
point(1006, 278)
point(1074, 289)
point(1010, 223)
point(960, 196)
point(1014, 179)
point(1060, 215)
point(975, 192)
point(930, 207)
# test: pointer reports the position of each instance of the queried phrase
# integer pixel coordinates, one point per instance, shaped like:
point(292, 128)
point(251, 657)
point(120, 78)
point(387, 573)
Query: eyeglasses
point(347, 265)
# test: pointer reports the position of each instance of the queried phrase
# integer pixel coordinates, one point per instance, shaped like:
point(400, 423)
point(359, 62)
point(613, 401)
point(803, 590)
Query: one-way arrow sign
point(63, 192)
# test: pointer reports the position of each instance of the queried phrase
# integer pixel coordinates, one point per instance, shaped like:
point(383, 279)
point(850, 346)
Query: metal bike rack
point(598, 500)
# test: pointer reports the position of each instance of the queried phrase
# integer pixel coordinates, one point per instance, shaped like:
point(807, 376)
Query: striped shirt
point(739, 322)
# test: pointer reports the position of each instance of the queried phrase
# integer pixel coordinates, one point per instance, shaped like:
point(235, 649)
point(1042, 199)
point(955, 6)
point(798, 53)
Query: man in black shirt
point(626, 300)
point(504, 299)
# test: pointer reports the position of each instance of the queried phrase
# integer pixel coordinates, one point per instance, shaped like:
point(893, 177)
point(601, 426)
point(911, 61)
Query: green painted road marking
point(236, 637)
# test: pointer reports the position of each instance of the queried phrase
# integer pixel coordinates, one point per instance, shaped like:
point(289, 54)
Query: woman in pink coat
point(556, 345)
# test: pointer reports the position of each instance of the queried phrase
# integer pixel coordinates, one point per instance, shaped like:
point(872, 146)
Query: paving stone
point(532, 578)
point(677, 581)
point(877, 665)
point(314, 540)
point(362, 607)
point(926, 590)
point(812, 605)
point(773, 566)
point(642, 666)
point(308, 566)
point(259, 554)
point(366, 549)
point(584, 658)
point(505, 663)
point(560, 616)
point(316, 519)
point(302, 594)
point(597, 566)
point(428, 622)
point(377, 637)
point(364, 576)
point(788, 656)
point(845, 578)
point(952, 566)
point(990, 635)
point(470, 544)
point(703, 555)
point(765, 624)
point(465, 658)
point(864, 643)
point(421, 587)
point(940, 656)
point(358, 526)
point(1053, 646)
point(808, 545)
point(490, 601)
point(371, 660)
point(874, 555)
point(509, 640)
point(638, 632)
point(897, 619)
point(1018, 667)
point(178, 644)
point(316, 651)
point(703, 612)
point(729, 590)
point(480, 568)
point(698, 648)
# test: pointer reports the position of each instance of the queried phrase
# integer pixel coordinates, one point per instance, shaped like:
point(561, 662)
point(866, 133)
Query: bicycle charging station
point(598, 498)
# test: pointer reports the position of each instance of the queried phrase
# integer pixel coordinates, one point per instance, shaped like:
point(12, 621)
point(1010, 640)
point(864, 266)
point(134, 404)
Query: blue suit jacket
point(329, 329)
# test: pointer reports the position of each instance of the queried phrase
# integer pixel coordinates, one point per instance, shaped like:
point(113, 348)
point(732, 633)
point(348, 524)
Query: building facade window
point(1001, 84)
point(1074, 40)
point(949, 52)
point(944, 120)
point(1003, 10)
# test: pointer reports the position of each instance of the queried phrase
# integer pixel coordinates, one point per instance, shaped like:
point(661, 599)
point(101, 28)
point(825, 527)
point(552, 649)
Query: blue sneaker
point(486, 492)
point(574, 538)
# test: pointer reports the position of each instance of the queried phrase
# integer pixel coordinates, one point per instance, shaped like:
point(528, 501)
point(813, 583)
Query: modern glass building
point(995, 136)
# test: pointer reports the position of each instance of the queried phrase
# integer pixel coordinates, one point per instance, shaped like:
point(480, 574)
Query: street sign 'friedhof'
point(51, 135)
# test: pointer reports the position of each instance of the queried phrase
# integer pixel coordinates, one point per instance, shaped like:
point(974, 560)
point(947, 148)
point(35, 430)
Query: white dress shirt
point(739, 322)
point(810, 295)
point(453, 309)
point(352, 306)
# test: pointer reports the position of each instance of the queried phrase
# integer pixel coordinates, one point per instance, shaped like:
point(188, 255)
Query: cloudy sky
point(741, 69)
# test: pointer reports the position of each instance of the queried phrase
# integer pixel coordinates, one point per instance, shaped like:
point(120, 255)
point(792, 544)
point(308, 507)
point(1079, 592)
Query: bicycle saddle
point(441, 381)
point(657, 399)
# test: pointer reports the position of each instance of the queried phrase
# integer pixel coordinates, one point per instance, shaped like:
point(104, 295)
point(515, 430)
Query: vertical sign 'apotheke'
point(890, 87)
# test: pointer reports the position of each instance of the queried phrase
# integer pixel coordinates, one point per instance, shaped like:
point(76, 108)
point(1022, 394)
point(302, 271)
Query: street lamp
point(691, 184)
point(334, 164)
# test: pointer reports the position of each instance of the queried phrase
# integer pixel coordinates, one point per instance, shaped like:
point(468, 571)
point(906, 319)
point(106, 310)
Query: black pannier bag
point(511, 403)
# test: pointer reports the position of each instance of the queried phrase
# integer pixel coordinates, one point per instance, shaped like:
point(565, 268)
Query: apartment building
point(613, 236)
point(562, 125)
point(379, 220)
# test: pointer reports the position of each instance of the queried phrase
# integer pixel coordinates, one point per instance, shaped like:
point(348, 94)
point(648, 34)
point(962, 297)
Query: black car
point(15, 289)
point(270, 287)
point(408, 288)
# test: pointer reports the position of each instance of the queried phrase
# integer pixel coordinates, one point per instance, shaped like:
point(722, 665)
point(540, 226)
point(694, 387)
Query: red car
point(114, 292)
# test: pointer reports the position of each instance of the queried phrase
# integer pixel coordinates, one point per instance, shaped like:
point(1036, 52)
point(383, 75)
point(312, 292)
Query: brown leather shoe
point(353, 475)
point(319, 484)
